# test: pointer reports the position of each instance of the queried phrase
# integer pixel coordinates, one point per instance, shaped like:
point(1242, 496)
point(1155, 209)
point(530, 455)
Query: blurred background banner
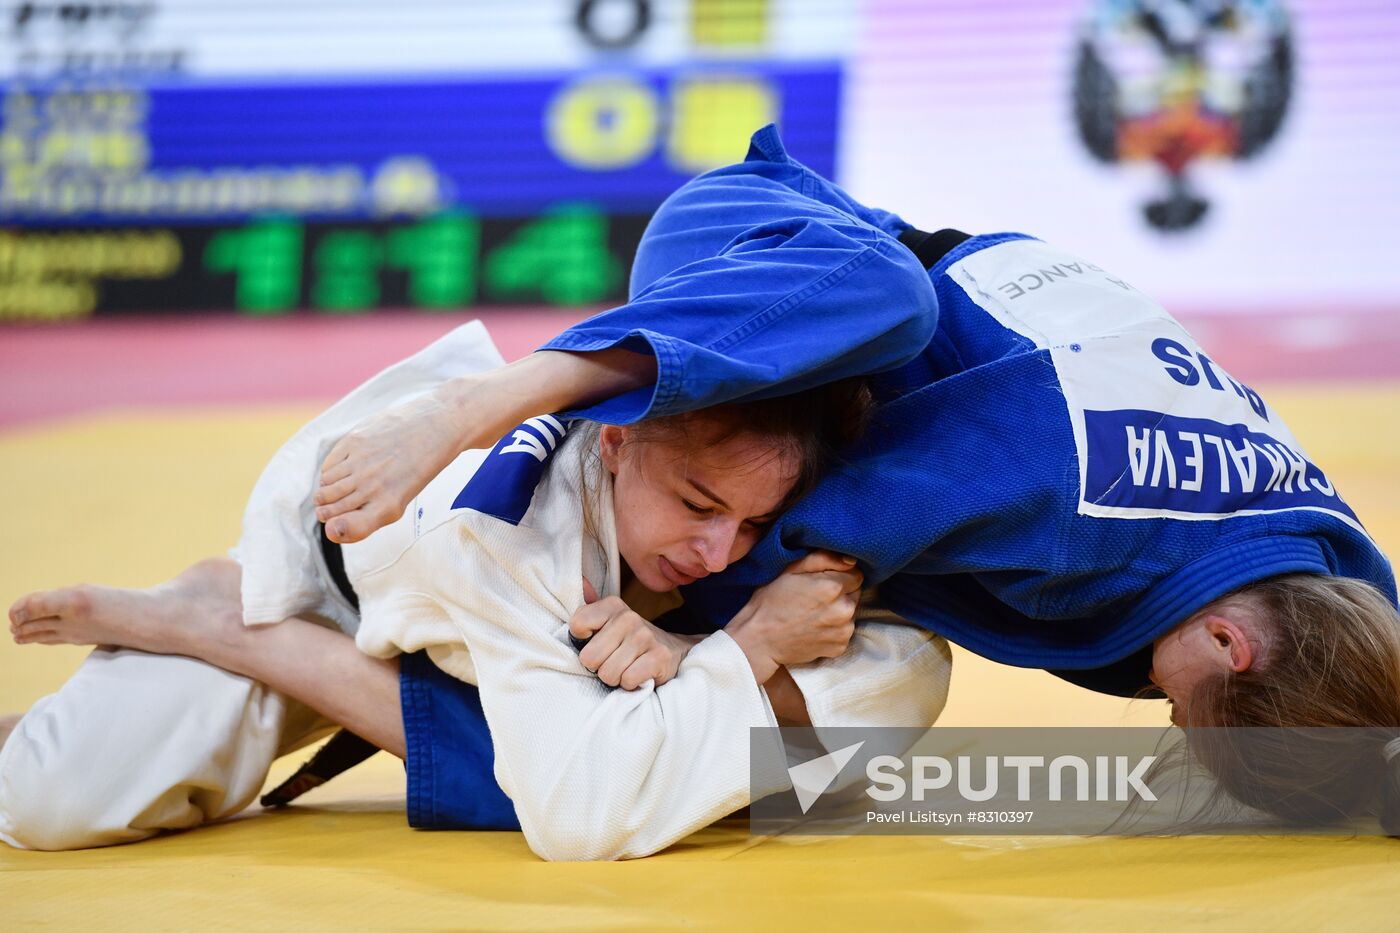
point(1222, 155)
point(275, 155)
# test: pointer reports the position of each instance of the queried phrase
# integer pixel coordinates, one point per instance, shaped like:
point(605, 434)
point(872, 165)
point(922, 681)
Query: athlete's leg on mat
point(315, 665)
point(136, 742)
point(198, 615)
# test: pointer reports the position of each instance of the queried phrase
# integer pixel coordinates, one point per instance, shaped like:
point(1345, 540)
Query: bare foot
point(7, 725)
point(372, 473)
point(165, 619)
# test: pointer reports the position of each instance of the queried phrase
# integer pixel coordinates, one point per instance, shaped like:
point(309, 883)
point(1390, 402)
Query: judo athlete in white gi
point(483, 575)
point(1059, 475)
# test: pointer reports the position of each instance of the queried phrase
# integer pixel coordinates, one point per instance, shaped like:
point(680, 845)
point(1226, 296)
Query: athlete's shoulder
point(504, 485)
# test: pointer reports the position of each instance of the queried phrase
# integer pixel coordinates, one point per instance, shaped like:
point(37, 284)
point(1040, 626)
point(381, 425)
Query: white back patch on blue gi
point(1161, 430)
point(504, 485)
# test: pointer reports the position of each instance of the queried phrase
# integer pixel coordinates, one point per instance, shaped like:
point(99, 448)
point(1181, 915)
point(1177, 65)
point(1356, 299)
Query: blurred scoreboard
point(342, 155)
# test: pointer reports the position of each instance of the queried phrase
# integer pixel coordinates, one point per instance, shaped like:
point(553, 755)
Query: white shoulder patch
point(1161, 430)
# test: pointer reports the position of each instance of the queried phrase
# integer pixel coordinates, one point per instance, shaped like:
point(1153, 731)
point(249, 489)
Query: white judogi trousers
point(136, 743)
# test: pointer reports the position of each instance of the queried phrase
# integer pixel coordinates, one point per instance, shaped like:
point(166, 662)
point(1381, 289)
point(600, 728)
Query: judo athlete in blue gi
point(1059, 476)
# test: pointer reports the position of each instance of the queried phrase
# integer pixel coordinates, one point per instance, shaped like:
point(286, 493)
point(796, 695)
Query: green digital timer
point(561, 257)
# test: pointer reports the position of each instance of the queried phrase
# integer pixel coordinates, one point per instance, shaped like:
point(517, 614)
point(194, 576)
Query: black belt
point(341, 753)
point(335, 563)
point(931, 247)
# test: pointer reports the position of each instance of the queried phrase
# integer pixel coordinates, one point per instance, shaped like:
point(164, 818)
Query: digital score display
point(186, 156)
point(571, 255)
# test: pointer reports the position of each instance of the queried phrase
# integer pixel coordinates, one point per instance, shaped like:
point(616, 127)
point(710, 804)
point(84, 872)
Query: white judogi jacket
point(594, 772)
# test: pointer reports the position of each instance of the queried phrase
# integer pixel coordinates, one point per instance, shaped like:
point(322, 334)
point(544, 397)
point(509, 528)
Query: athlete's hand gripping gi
point(808, 613)
point(621, 647)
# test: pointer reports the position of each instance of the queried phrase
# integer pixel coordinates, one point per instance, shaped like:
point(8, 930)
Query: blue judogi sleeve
point(742, 280)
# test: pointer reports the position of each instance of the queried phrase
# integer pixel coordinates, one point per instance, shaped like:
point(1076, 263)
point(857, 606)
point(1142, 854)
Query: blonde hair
point(1331, 658)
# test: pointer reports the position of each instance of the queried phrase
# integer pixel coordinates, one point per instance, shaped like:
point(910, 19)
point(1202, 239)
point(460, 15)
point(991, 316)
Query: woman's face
point(1180, 660)
point(685, 511)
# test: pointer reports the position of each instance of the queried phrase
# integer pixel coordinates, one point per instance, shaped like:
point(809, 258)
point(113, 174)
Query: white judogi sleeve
point(284, 573)
point(594, 772)
point(892, 674)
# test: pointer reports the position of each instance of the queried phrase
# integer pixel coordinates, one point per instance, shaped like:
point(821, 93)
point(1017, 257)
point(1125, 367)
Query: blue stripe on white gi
point(504, 485)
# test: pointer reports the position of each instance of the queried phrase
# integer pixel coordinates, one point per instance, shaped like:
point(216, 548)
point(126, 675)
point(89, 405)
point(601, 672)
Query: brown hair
point(812, 427)
point(1331, 658)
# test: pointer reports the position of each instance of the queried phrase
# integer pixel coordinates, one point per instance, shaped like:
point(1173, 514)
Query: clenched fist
point(624, 649)
point(806, 613)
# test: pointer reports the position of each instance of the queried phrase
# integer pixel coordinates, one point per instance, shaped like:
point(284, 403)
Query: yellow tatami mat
point(131, 498)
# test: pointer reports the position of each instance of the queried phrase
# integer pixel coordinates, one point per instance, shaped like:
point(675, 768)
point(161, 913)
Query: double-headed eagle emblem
point(1177, 81)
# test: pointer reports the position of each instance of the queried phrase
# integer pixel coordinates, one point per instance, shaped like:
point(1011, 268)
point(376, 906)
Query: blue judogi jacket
point(1058, 473)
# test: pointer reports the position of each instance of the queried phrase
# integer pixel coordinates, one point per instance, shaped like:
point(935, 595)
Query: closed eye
point(697, 509)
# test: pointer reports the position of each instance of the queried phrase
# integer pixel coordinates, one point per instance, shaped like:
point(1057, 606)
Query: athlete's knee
point(71, 779)
point(39, 821)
